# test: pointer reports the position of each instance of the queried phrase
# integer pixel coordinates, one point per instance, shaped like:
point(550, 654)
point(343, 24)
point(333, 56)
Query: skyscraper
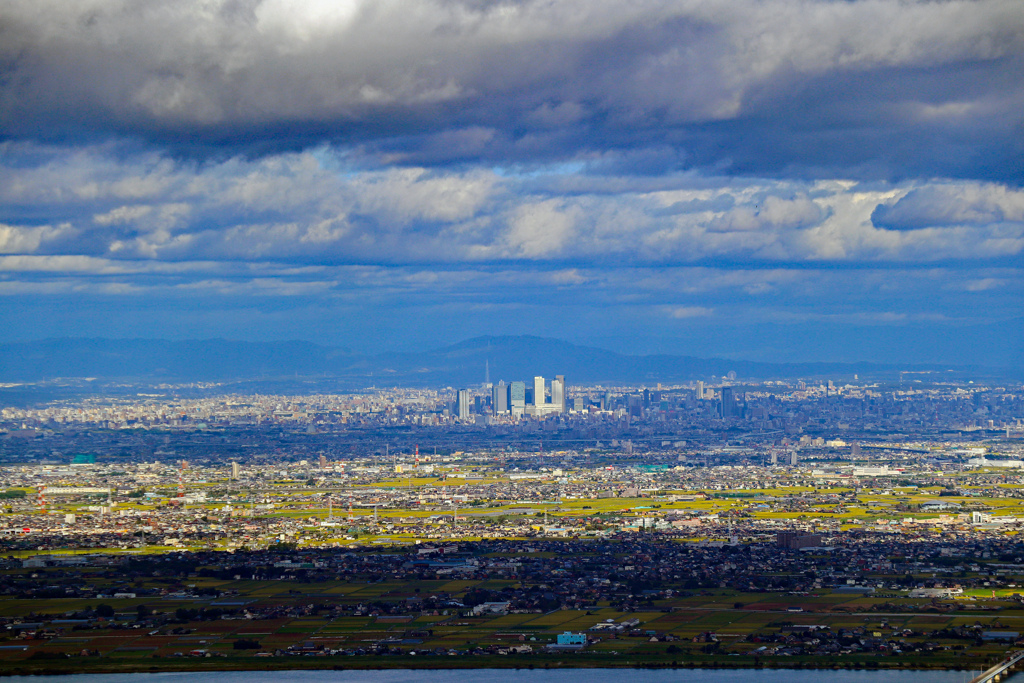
point(538, 391)
point(500, 398)
point(558, 392)
point(462, 404)
point(517, 398)
point(728, 402)
point(699, 393)
point(635, 405)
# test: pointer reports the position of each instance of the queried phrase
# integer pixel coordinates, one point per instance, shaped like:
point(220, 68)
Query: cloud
point(983, 284)
point(20, 239)
point(783, 86)
point(411, 194)
point(122, 214)
point(620, 165)
point(947, 204)
point(541, 229)
point(800, 212)
point(317, 207)
point(718, 204)
point(682, 312)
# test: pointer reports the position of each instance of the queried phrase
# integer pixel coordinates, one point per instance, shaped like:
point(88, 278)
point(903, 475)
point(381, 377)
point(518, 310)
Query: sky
point(772, 180)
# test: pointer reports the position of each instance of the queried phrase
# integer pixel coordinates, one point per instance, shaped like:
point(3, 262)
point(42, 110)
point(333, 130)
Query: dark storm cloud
point(850, 89)
point(893, 122)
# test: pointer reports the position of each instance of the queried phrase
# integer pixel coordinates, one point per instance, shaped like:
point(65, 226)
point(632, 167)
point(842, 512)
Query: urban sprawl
point(824, 523)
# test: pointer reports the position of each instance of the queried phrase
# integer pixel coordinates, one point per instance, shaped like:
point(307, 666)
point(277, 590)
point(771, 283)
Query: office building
point(517, 394)
point(699, 393)
point(635, 405)
point(462, 404)
point(500, 395)
point(517, 398)
point(537, 403)
point(558, 392)
point(728, 402)
point(539, 392)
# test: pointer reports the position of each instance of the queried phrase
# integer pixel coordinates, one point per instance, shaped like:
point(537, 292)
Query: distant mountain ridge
point(508, 358)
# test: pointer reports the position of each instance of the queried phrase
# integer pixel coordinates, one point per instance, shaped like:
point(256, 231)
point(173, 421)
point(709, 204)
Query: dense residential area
point(771, 524)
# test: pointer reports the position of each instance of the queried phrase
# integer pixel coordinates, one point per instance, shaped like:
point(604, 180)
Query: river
point(520, 676)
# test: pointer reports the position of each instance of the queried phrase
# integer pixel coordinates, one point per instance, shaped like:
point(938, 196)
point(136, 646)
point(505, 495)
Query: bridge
point(1001, 670)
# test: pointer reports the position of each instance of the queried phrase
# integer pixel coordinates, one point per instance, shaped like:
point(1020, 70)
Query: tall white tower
point(558, 392)
point(538, 391)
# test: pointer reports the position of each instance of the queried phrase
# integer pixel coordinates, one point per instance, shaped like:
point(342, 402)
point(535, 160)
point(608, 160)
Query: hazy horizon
point(769, 345)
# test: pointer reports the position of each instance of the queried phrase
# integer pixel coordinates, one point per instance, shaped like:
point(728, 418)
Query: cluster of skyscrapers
point(541, 399)
point(519, 399)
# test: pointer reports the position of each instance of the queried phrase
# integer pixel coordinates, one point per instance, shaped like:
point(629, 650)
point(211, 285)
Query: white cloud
point(541, 229)
point(411, 194)
point(19, 239)
point(983, 284)
point(122, 214)
point(682, 312)
point(316, 207)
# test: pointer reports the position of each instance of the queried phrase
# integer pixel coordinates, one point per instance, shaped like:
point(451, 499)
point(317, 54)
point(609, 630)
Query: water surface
point(522, 676)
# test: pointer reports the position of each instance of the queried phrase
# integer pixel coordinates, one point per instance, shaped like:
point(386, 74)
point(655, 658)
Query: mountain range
point(466, 363)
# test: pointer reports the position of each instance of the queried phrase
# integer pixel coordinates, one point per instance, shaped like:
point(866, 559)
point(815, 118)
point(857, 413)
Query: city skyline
point(771, 181)
point(203, 519)
point(39, 368)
